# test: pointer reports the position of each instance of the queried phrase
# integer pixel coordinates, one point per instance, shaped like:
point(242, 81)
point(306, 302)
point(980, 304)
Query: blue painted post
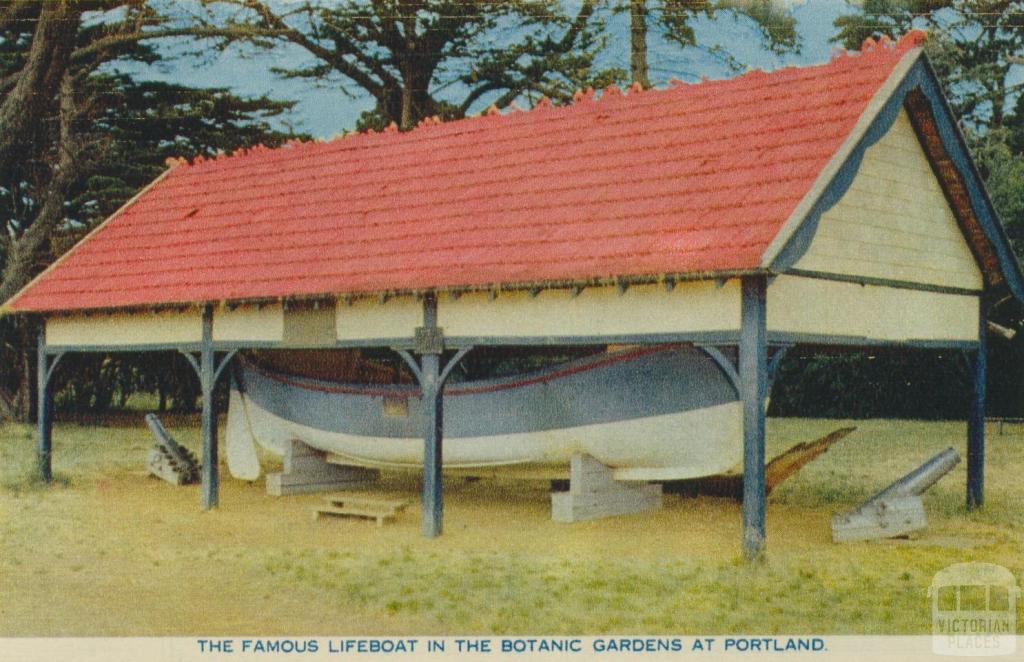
point(44, 411)
point(433, 434)
point(209, 491)
point(976, 420)
point(753, 371)
point(433, 498)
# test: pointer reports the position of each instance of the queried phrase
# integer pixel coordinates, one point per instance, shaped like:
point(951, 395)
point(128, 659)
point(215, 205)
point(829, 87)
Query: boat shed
point(823, 205)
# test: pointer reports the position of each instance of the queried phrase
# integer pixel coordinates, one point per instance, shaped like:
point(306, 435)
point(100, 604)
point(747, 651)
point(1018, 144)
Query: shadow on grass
point(31, 482)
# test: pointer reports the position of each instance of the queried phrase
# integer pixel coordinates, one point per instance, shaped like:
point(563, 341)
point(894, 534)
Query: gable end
point(913, 89)
point(894, 223)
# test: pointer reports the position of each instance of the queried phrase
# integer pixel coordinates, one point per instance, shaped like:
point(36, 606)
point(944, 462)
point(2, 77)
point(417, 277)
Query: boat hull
point(664, 413)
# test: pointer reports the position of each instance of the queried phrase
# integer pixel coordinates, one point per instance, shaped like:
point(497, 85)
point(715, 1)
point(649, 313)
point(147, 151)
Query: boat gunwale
point(473, 387)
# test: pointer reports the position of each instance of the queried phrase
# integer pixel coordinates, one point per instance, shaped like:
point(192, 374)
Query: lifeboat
point(656, 413)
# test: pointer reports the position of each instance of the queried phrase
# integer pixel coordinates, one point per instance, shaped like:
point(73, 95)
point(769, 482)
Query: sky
point(323, 110)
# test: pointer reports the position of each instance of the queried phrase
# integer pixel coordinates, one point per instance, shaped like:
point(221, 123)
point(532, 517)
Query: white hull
point(647, 449)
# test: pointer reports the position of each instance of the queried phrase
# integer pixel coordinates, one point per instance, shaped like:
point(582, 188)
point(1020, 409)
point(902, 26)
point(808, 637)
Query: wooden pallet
point(364, 507)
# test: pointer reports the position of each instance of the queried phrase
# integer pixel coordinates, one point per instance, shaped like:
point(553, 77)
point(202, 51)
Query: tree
point(875, 18)
point(974, 44)
point(77, 138)
point(673, 18)
point(421, 58)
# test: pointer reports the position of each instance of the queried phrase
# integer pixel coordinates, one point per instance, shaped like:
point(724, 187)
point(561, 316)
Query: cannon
point(898, 509)
point(168, 459)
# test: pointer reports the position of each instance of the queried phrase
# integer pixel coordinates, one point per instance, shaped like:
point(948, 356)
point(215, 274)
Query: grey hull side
point(606, 388)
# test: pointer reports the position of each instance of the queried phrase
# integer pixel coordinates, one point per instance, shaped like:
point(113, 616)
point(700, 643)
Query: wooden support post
point(433, 497)
point(976, 421)
point(44, 413)
point(430, 347)
point(753, 373)
point(431, 375)
point(209, 490)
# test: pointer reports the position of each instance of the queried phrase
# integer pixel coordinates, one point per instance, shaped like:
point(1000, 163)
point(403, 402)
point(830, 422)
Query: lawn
point(106, 550)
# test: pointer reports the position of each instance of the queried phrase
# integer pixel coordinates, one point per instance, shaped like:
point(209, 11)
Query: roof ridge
point(581, 98)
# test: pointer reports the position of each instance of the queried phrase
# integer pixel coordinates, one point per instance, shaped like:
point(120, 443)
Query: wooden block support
point(594, 493)
point(885, 518)
point(306, 470)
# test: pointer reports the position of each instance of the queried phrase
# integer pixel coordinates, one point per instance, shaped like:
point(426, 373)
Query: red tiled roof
point(694, 178)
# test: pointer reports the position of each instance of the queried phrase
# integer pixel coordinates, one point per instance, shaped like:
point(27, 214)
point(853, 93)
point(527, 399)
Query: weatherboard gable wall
point(892, 225)
point(894, 221)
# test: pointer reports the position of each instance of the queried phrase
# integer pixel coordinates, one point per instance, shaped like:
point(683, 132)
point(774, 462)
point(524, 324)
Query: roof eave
point(10, 306)
point(668, 279)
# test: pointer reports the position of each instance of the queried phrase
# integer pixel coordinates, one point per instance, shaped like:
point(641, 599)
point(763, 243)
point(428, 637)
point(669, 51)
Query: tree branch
point(578, 25)
point(22, 110)
point(293, 35)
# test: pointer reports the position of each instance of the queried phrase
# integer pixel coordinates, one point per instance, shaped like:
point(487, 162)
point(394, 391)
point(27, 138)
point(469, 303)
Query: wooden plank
point(894, 221)
point(570, 507)
point(976, 419)
point(125, 329)
point(689, 307)
point(357, 512)
point(368, 502)
point(345, 512)
point(753, 371)
point(44, 417)
point(887, 518)
point(281, 484)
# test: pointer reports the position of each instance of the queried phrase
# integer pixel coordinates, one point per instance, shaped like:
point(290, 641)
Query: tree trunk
point(638, 42)
point(408, 67)
point(24, 109)
point(16, 404)
point(407, 120)
point(23, 252)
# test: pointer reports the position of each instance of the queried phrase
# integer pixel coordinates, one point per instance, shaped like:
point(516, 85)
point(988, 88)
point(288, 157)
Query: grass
point(108, 551)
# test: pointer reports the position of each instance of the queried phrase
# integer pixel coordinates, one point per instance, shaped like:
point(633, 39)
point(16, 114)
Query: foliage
point(80, 138)
point(777, 26)
point(674, 20)
point(974, 46)
point(421, 58)
point(894, 384)
point(875, 18)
